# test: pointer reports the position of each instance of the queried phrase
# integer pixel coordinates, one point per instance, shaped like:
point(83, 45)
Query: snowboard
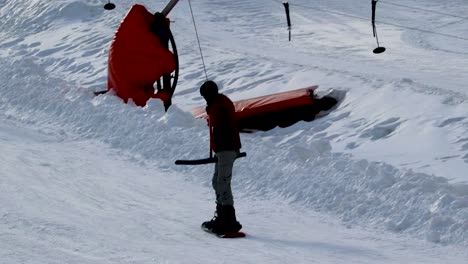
point(226, 235)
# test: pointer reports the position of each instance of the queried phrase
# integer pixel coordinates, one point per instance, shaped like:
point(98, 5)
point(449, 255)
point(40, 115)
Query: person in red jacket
point(225, 143)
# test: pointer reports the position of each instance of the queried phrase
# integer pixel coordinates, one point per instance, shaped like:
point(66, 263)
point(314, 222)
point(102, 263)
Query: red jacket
point(224, 132)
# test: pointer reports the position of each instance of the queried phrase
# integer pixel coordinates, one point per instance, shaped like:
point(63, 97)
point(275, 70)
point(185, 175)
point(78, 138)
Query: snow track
point(77, 201)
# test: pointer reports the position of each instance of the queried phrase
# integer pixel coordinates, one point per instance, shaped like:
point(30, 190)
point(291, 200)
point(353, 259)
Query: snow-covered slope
point(78, 201)
point(393, 159)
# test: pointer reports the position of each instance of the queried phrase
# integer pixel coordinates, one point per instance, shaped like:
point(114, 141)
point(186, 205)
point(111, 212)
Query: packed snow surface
point(382, 179)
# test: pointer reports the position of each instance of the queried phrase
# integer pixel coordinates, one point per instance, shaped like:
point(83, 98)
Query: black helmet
point(209, 88)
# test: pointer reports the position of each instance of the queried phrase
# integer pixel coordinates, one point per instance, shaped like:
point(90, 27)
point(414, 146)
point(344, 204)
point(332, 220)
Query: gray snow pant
point(222, 177)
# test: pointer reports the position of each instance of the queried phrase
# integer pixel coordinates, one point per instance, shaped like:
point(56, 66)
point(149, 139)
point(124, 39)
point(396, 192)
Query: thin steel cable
point(423, 9)
point(198, 39)
point(380, 22)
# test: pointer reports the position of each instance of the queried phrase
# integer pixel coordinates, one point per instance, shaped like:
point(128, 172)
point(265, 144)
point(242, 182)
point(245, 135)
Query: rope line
point(380, 22)
point(425, 10)
point(198, 40)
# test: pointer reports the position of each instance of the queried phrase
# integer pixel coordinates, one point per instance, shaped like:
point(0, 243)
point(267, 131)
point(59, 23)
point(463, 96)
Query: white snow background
point(382, 179)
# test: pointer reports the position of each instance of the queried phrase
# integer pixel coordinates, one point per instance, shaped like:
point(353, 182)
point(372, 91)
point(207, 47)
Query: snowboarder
point(225, 142)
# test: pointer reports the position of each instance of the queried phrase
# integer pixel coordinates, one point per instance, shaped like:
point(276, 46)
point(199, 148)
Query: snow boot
point(209, 225)
point(226, 221)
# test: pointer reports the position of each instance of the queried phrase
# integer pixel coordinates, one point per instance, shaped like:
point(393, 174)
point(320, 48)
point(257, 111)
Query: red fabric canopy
point(137, 58)
point(266, 112)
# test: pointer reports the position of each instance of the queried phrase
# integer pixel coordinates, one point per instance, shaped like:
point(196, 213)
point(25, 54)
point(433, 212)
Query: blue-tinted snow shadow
point(340, 251)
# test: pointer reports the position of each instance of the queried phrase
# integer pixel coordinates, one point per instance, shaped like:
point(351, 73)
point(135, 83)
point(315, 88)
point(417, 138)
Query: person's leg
point(214, 183)
point(226, 220)
point(222, 177)
point(214, 180)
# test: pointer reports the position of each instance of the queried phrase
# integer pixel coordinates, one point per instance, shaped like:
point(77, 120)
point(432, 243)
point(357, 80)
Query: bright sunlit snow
point(382, 179)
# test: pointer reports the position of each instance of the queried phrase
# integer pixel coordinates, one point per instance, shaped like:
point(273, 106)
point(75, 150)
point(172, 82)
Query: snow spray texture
point(137, 58)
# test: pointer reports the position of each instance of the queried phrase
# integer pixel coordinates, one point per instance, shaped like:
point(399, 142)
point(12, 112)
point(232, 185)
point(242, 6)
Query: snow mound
point(296, 163)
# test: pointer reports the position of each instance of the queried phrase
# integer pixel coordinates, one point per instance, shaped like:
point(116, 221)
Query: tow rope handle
point(211, 159)
point(286, 7)
point(374, 6)
point(374, 28)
